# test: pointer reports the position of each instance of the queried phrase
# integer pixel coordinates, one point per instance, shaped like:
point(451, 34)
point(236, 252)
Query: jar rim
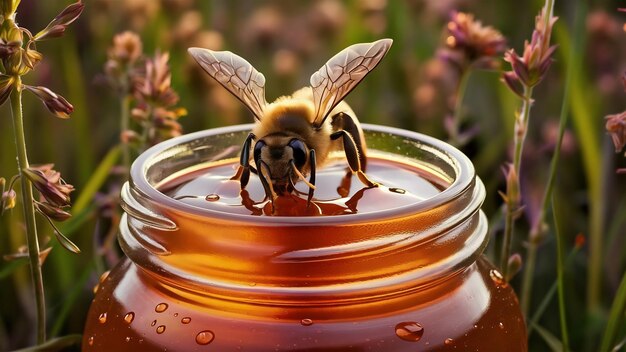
point(461, 164)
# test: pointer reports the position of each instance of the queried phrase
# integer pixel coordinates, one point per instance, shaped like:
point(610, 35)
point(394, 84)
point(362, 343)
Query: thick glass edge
point(461, 163)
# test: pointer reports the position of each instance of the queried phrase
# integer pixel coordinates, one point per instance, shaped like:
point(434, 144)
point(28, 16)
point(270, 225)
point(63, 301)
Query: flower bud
point(49, 184)
point(55, 103)
point(53, 212)
point(9, 7)
point(8, 200)
point(514, 266)
point(57, 26)
point(616, 127)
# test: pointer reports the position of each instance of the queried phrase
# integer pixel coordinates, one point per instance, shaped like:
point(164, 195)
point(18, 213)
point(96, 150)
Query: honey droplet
point(102, 318)
point(306, 322)
point(160, 329)
point(175, 315)
point(90, 341)
point(104, 276)
point(397, 190)
point(212, 197)
point(497, 278)
point(448, 341)
point(128, 318)
point(153, 323)
point(205, 337)
point(161, 307)
point(185, 320)
point(409, 331)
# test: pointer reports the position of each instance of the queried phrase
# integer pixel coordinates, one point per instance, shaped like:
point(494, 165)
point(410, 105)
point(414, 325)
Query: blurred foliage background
point(412, 89)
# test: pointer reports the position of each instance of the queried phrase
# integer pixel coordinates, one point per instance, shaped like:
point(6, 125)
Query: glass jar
point(411, 278)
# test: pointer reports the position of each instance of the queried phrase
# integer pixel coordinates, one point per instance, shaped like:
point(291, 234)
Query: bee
point(295, 134)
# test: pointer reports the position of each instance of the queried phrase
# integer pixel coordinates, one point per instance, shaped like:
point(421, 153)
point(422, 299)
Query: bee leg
point(352, 155)
point(312, 177)
point(243, 172)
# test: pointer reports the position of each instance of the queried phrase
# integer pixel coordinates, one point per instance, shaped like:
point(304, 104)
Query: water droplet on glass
point(160, 308)
point(153, 323)
point(212, 197)
point(160, 329)
point(104, 276)
point(127, 339)
point(397, 190)
point(205, 337)
point(128, 318)
point(497, 277)
point(306, 322)
point(175, 315)
point(409, 331)
point(448, 341)
point(90, 341)
point(102, 318)
point(185, 320)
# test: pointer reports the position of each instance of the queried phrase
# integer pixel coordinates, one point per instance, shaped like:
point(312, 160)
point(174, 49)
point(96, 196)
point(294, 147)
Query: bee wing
point(235, 74)
point(342, 73)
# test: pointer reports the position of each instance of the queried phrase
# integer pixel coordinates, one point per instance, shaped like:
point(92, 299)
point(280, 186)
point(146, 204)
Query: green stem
point(125, 125)
point(538, 228)
point(458, 107)
point(29, 210)
point(512, 206)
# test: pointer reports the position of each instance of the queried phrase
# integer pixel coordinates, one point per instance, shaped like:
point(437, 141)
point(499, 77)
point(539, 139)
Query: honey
point(393, 268)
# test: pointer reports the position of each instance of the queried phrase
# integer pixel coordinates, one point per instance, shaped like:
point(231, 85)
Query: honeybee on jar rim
point(296, 133)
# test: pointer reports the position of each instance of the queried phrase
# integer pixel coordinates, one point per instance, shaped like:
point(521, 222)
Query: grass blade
point(552, 341)
point(98, 178)
point(58, 344)
point(616, 317)
point(560, 278)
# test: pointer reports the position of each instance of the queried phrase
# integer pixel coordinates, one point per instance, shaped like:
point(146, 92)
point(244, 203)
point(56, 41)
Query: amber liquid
point(337, 192)
point(471, 309)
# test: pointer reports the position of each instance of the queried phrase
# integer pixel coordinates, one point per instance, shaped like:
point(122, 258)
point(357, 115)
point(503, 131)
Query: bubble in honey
point(306, 322)
point(175, 315)
point(397, 190)
point(212, 197)
point(160, 329)
point(185, 320)
point(102, 318)
point(104, 276)
point(497, 277)
point(153, 323)
point(90, 341)
point(500, 325)
point(409, 331)
point(161, 307)
point(205, 337)
point(127, 339)
point(448, 341)
point(128, 318)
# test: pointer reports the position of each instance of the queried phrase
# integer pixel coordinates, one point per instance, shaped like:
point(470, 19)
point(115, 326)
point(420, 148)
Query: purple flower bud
point(57, 26)
point(49, 184)
point(55, 103)
point(53, 212)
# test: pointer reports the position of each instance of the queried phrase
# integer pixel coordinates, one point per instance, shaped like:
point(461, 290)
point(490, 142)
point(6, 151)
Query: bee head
point(283, 157)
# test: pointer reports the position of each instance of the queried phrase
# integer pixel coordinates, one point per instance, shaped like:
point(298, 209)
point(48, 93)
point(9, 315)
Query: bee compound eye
point(258, 146)
point(299, 152)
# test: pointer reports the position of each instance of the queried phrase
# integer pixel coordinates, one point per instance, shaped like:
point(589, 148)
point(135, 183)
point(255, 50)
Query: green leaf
point(56, 344)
